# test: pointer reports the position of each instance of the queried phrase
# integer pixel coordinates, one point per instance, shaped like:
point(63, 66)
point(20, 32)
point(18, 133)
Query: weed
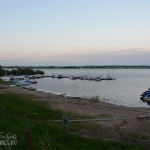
point(94, 99)
point(77, 101)
point(124, 121)
point(105, 115)
point(118, 125)
point(144, 137)
point(54, 102)
point(73, 130)
point(2, 82)
point(121, 133)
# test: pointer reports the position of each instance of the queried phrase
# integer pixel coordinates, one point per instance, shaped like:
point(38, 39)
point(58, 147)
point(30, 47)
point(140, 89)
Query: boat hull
point(146, 99)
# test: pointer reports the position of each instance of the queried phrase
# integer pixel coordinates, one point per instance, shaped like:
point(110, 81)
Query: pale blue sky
point(74, 32)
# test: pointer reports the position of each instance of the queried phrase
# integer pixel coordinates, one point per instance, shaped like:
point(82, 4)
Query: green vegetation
point(138, 135)
point(94, 99)
point(106, 115)
point(2, 82)
point(84, 67)
point(27, 119)
point(124, 121)
point(20, 71)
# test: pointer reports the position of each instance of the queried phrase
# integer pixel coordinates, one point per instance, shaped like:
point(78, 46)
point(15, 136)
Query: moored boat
point(22, 83)
point(145, 96)
point(60, 77)
point(35, 82)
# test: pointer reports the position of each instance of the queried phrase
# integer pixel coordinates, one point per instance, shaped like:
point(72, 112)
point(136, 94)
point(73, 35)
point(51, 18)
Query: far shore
point(83, 67)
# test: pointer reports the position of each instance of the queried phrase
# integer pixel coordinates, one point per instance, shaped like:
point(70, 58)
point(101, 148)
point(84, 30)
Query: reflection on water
point(125, 90)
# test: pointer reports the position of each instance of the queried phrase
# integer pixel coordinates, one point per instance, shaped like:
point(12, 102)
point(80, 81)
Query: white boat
point(12, 85)
point(5, 79)
point(73, 77)
point(39, 76)
point(22, 83)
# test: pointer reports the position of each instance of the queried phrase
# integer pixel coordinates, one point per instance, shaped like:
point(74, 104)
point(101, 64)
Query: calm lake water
point(125, 90)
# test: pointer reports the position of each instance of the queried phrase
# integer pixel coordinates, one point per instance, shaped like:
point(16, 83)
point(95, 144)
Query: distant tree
point(39, 72)
point(29, 71)
point(1, 71)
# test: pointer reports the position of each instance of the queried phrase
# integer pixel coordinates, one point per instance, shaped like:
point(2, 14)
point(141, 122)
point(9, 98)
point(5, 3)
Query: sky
point(74, 32)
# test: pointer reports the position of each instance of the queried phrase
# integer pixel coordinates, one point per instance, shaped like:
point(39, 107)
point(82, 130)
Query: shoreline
point(68, 97)
point(81, 108)
point(72, 101)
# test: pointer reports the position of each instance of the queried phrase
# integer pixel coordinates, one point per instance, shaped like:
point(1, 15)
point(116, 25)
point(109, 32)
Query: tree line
point(20, 71)
point(85, 67)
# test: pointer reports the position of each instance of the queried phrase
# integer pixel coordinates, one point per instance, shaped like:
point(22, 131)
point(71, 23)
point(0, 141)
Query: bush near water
point(20, 71)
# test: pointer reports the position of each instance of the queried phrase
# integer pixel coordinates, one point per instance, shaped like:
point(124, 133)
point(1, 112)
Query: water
point(125, 90)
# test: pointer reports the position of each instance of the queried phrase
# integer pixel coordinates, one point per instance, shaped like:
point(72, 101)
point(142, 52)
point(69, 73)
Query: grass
point(137, 135)
point(124, 121)
point(94, 99)
point(14, 108)
point(105, 115)
point(5, 83)
point(118, 125)
point(2, 82)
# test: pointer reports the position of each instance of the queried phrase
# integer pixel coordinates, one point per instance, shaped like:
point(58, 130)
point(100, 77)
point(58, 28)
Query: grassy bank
point(22, 116)
point(2, 82)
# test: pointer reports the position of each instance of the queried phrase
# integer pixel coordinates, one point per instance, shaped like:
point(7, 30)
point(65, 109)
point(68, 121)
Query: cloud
point(137, 56)
point(129, 51)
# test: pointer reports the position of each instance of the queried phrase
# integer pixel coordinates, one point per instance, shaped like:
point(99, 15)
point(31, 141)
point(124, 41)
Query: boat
point(98, 78)
point(39, 76)
point(26, 80)
point(12, 85)
point(27, 76)
point(5, 79)
point(22, 83)
point(53, 76)
point(74, 77)
point(85, 77)
point(32, 77)
point(108, 78)
point(145, 96)
point(35, 82)
point(60, 77)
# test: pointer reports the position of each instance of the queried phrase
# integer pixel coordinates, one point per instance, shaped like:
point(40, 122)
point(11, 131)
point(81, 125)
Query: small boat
point(98, 78)
point(27, 76)
point(12, 85)
point(34, 82)
point(26, 80)
point(145, 96)
point(74, 77)
point(60, 77)
point(54, 76)
point(39, 76)
point(22, 83)
point(85, 77)
point(32, 77)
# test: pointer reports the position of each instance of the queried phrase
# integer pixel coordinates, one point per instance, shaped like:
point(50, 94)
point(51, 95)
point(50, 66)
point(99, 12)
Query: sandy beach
point(133, 131)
